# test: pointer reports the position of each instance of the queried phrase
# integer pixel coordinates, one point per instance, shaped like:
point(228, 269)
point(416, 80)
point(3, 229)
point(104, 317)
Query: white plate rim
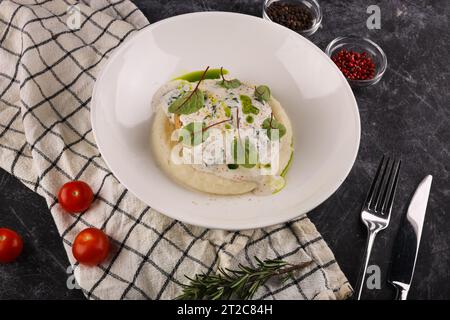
point(211, 225)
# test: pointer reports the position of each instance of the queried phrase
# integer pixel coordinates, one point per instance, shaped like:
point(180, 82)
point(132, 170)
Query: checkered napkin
point(47, 71)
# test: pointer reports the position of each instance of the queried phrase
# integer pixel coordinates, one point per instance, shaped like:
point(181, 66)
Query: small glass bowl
point(313, 5)
point(359, 44)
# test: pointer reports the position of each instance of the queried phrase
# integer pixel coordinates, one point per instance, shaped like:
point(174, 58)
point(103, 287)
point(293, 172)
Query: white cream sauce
point(222, 104)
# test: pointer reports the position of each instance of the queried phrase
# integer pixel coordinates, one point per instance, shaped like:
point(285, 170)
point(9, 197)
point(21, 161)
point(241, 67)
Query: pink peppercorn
point(355, 65)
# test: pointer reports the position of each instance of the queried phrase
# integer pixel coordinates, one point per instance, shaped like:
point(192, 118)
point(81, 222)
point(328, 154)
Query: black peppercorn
point(295, 16)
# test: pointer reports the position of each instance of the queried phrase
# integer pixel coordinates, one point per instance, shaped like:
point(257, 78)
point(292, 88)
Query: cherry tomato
point(11, 245)
point(75, 196)
point(91, 247)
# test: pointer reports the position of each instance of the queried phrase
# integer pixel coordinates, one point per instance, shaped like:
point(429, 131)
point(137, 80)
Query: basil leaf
point(192, 134)
point(229, 84)
point(270, 124)
point(262, 93)
point(247, 106)
point(188, 103)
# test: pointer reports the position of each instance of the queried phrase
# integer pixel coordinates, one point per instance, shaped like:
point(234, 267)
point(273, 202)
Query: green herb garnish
point(197, 132)
point(262, 93)
point(270, 124)
point(217, 123)
point(189, 102)
point(249, 119)
point(228, 84)
point(193, 134)
point(247, 106)
point(242, 283)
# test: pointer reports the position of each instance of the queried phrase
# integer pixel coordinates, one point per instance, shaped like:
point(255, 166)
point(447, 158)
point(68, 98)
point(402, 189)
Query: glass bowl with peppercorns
point(302, 16)
point(361, 60)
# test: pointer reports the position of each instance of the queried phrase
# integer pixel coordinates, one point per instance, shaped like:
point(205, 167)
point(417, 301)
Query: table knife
point(407, 241)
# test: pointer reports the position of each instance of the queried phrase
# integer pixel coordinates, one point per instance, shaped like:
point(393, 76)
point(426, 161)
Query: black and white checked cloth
point(47, 71)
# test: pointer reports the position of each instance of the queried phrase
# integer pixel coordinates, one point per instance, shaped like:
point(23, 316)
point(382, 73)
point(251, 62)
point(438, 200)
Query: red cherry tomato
point(75, 196)
point(11, 245)
point(91, 247)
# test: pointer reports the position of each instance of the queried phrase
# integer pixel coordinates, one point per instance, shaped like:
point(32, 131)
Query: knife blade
point(407, 242)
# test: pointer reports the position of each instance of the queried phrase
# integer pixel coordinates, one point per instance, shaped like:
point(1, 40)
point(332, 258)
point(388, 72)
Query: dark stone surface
point(406, 114)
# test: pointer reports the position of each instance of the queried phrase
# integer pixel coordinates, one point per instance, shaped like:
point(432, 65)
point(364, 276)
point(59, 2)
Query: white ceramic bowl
point(310, 87)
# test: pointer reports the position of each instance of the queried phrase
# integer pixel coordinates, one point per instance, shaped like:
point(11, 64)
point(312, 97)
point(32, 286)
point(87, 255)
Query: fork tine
point(375, 183)
point(387, 203)
point(385, 189)
point(382, 184)
point(382, 192)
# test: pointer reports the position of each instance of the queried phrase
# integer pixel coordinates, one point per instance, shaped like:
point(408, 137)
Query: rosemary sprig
point(240, 284)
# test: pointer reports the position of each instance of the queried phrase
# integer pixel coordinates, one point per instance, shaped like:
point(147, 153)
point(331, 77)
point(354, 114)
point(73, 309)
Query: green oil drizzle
point(285, 170)
point(195, 76)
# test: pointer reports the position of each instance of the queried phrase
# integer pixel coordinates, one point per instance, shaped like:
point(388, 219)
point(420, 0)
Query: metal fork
point(376, 212)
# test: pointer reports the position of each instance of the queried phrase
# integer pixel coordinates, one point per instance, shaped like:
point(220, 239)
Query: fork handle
point(370, 240)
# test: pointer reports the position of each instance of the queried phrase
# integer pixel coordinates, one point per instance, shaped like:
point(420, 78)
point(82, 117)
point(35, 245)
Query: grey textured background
point(406, 114)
